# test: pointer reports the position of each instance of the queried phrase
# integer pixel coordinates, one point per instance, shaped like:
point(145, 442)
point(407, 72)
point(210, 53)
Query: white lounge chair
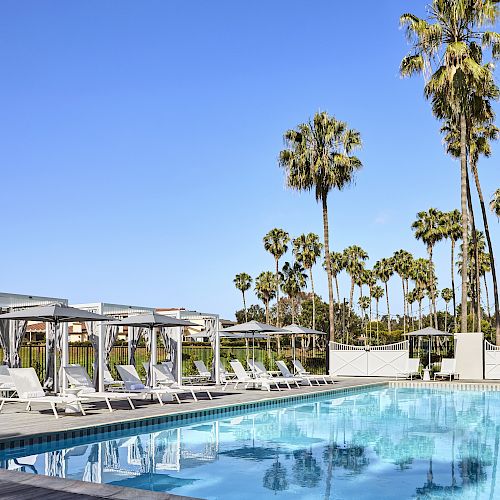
point(133, 383)
point(30, 391)
point(300, 378)
point(261, 372)
point(110, 382)
point(242, 377)
point(6, 384)
point(165, 378)
point(299, 368)
point(412, 369)
point(224, 374)
point(448, 369)
point(203, 371)
point(79, 378)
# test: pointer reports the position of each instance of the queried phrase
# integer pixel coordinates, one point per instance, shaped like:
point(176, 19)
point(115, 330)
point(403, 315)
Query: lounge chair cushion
point(134, 386)
point(32, 394)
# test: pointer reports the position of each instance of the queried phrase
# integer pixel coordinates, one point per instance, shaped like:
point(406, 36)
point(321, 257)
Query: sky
point(139, 144)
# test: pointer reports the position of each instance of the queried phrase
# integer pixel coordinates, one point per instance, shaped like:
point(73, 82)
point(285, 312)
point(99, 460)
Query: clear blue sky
point(139, 143)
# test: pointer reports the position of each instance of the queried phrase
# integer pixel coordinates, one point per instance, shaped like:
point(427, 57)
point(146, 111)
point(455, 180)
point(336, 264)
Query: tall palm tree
point(293, 281)
point(370, 279)
point(364, 304)
point(265, 287)
point(403, 261)
point(448, 45)
point(353, 258)
point(410, 300)
point(495, 203)
point(275, 242)
point(447, 295)
point(452, 230)
point(479, 136)
point(429, 227)
point(420, 275)
point(307, 249)
point(377, 294)
point(337, 264)
point(319, 156)
point(384, 269)
point(243, 282)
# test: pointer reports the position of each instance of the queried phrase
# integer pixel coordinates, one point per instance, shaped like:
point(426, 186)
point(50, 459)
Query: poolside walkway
point(16, 423)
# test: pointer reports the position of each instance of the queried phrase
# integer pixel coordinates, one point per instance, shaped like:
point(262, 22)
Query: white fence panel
point(369, 361)
point(491, 361)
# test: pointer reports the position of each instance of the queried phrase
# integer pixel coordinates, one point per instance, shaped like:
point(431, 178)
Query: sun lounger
point(203, 371)
point(224, 374)
point(133, 383)
point(30, 391)
point(262, 373)
point(242, 377)
point(299, 368)
point(79, 379)
point(110, 382)
point(165, 378)
point(6, 384)
point(300, 378)
point(448, 369)
point(412, 369)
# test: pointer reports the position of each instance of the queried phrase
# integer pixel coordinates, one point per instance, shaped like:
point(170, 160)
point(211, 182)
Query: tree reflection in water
point(306, 470)
point(275, 477)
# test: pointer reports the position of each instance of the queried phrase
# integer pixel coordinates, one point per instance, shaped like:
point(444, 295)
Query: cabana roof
point(116, 310)
point(13, 301)
point(429, 332)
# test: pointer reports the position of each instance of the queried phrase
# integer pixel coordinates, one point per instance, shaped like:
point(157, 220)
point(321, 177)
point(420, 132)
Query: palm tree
point(479, 136)
point(447, 295)
point(293, 281)
point(429, 228)
point(337, 264)
point(384, 269)
point(307, 248)
point(353, 258)
point(410, 300)
point(370, 280)
point(495, 203)
point(318, 156)
point(402, 265)
point(364, 304)
point(449, 43)
point(377, 294)
point(275, 242)
point(243, 282)
point(265, 287)
point(420, 275)
point(452, 230)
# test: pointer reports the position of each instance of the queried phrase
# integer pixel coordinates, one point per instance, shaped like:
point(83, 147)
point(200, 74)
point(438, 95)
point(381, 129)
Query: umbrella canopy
point(151, 320)
point(253, 327)
point(243, 335)
point(297, 329)
point(429, 332)
point(55, 314)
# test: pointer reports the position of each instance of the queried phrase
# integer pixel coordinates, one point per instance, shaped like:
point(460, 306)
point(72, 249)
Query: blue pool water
point(382, 444)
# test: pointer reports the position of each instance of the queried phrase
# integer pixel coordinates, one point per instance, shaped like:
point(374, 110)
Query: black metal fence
point(83, 354)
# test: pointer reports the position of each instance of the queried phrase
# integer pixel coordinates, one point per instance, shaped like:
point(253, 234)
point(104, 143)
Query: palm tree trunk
point(376, 307)
point(313, 298)
point(420, 315)
point(337, 288)
point(490, 250)
point(370, 319)
point(268, 340)
point(453, 284)
point(277, 293)
point(465, 218)
point(487, 297)
point(476, 302)
point(331, 314)
point(245, 306)
point(446, 317)
point(433, 292)
point(404, 305)
point(388, 310)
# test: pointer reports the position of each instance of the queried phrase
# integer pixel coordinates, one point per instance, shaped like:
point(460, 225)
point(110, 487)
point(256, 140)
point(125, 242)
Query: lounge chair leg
point(81, 408)
point(109, 405)
point(131, 404)
point(194, 395)
point(159, 399)
point(28, 406)
point(209, 395)
point(176, 396)
point(54, 410)
point(1, 405)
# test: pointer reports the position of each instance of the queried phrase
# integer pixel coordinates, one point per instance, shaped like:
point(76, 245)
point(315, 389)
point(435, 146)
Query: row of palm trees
point(450, 47)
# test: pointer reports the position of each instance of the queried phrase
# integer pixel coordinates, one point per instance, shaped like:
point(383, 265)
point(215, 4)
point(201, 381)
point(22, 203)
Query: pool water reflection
point(383, 443)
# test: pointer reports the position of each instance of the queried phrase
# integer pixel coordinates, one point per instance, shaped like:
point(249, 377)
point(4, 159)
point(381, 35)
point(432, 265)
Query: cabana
point(429, 333)
point(12, 332)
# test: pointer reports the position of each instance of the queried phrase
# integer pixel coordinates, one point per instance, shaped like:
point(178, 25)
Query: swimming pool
point(377, 443)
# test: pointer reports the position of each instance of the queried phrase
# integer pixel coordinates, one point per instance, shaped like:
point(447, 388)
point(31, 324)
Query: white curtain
point(211, 329)
point(109, 341)
point(11, 337)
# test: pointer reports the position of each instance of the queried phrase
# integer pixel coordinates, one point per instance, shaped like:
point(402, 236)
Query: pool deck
point(16, 423)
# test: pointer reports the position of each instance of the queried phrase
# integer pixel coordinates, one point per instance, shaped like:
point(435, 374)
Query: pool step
point(454, 385)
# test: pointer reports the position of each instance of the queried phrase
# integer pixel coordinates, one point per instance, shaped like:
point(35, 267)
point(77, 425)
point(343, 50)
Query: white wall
point(469, 350)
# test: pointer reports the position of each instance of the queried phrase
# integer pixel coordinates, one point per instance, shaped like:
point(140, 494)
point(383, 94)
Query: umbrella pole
point(253, 353)
point(54, 383)
point(430, 347)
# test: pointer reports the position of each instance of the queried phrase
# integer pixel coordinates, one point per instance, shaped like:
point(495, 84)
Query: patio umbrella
point(294, 329)
point(253, 329)
point(430, 333)
point(152, 320)
point(55, 314)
